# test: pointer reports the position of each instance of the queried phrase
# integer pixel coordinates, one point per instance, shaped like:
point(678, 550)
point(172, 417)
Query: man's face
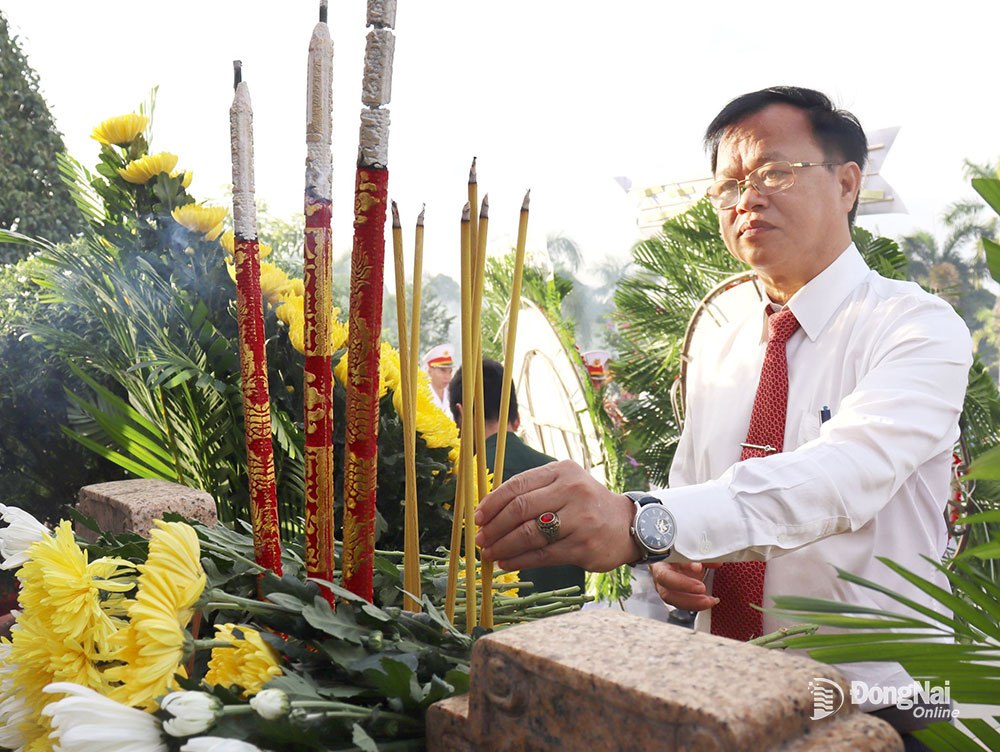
point(440, 376)
point(787, 237)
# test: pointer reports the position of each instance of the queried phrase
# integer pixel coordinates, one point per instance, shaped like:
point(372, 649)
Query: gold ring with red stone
point(548, 525)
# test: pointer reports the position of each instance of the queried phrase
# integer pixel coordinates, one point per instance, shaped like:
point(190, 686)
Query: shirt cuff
point(707, 528)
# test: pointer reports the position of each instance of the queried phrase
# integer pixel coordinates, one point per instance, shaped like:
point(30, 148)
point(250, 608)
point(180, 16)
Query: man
point(518, 457)
point(819, 428)
point(440, 363)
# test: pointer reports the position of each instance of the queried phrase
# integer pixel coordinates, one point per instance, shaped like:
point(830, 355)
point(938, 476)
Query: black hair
point(492, 385)
point(837, 131)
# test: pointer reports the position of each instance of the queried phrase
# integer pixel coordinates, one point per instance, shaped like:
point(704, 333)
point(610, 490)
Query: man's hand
point(682, 584)
point(593, 522)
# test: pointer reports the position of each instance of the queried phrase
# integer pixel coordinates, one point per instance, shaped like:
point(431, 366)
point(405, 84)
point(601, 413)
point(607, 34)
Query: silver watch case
point(653, 527)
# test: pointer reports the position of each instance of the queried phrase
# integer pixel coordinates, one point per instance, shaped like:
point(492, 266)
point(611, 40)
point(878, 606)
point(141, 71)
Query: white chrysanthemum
point(193, 712)
point(22, 530)
point(218, 744)
point(14, 714)
point(271, 704)
point(87, 721)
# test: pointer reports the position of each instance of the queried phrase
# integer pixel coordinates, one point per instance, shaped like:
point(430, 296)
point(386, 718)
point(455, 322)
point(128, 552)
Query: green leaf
point(339, 623)
point(943, 737)
point(137, 469)
point(985, 466)
point(992, 257)
point(989, 189)
point(393, 676)
point(361, 740)
point(983, 731)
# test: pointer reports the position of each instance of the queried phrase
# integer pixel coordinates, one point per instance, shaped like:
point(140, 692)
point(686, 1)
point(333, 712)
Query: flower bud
point(193, 712)
point(271, 704)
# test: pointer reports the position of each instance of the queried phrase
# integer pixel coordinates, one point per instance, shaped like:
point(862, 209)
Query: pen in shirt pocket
point(824, 414)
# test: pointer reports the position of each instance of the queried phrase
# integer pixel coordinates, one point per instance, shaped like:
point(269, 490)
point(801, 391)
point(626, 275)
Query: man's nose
point(750, 199)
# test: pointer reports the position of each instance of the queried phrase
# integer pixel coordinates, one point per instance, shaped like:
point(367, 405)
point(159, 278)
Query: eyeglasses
point(774, 177)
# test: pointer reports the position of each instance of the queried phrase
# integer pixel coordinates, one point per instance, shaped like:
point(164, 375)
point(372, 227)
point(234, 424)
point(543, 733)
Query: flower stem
point(775, 639)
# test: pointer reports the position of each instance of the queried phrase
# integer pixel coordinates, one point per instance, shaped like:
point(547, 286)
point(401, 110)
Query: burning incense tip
point(527, 196)
point(484, 212)
point(420, 217)
point(466, 212)
point(395, 217)
point(472, 171)
point(322, 11)
point(237, 72)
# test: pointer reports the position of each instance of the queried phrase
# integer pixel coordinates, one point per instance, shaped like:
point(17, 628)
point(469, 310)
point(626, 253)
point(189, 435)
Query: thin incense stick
point(250, 320)
point(411, 554)
point(465, 448)
point(508, 355)
point(410, 371)
point(480, 410)
point(365, 321)
point(318, 309)
point(508, 368)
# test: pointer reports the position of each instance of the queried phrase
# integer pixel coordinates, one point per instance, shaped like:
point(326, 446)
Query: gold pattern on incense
point(363, 200)
point(361, 271)
point(360, 423)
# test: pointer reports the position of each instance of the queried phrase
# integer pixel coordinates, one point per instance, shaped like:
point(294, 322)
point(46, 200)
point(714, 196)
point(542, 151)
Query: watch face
point(655, 528)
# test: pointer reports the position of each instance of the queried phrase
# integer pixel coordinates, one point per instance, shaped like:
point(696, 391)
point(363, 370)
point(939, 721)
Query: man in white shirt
point(440, 363)
point(875, 379)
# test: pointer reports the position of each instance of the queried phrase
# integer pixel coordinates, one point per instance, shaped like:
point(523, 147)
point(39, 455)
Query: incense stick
point(508, 368)
point(480, 409)
point(466, 439)
point(411, 554)
point(365, 321)
point(318, 310)
point(410, 371)
point(250, 321)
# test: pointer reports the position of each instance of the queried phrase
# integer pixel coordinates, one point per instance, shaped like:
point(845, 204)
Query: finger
point(676, 580)
point(686, 601)
point(520, 510)
point(524, 538)
point(495, 502)
point(560, 552)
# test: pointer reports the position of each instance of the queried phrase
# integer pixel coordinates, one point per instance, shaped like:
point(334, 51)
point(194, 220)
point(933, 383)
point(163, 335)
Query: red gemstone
point(547, 518)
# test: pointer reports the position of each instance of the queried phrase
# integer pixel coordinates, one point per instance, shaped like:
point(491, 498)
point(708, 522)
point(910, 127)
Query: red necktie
point(738, 584)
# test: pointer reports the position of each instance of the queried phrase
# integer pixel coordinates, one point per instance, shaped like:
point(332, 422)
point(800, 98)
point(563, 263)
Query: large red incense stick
point(250, 320)
point(365, 322)
point(318, 310)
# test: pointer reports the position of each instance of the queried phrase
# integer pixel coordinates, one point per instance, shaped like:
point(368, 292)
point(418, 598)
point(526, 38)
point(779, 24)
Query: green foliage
point(40, 469)
point(33, 200)
point(435, 321)
point(673, 271)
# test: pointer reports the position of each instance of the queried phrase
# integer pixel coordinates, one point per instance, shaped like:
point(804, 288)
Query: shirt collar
point(817, 300)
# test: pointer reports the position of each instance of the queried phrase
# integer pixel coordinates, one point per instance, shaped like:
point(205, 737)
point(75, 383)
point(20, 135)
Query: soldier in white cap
point(440, 362)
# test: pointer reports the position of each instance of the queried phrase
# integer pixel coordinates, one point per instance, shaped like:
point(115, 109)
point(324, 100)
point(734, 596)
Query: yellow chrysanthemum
point(505, 578)
point(144, 169)
point(204, 219)
point(186, 180)
point(152, 645)
point(121, 130)
point(228, 243)
point(274, 282)
point(64, 631)
point(289, 308)
point(249, 664)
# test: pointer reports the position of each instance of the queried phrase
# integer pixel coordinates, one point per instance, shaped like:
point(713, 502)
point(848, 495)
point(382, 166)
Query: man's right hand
point(682, 586)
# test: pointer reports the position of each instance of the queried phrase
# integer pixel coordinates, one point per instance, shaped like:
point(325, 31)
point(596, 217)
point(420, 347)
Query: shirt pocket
point(805, 429)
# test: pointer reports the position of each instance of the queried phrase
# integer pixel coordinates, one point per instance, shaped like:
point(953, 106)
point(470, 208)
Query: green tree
point(33, 200)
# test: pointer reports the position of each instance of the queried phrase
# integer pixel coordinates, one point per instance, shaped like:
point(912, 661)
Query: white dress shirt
point(891, 361)
point(443, 402)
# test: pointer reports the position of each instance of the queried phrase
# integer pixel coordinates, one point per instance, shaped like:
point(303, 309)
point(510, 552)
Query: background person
point(440, 362)
point(819, 428)
point(518, 457)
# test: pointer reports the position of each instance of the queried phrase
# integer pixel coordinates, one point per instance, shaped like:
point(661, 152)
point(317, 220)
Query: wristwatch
point(653, 528)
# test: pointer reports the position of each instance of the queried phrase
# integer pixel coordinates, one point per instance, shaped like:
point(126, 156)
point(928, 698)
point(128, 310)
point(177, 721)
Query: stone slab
point(131, 506)
point(604, 679)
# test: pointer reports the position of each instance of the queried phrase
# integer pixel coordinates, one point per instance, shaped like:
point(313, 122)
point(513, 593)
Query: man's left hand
point(593, 522)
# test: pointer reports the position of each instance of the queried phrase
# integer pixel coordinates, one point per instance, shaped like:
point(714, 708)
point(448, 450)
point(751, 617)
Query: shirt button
point(782, 538)
point(706, 547)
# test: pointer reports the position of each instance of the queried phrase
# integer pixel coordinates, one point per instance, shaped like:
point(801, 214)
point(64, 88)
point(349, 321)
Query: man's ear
point(516, 423)
point(849, 176)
